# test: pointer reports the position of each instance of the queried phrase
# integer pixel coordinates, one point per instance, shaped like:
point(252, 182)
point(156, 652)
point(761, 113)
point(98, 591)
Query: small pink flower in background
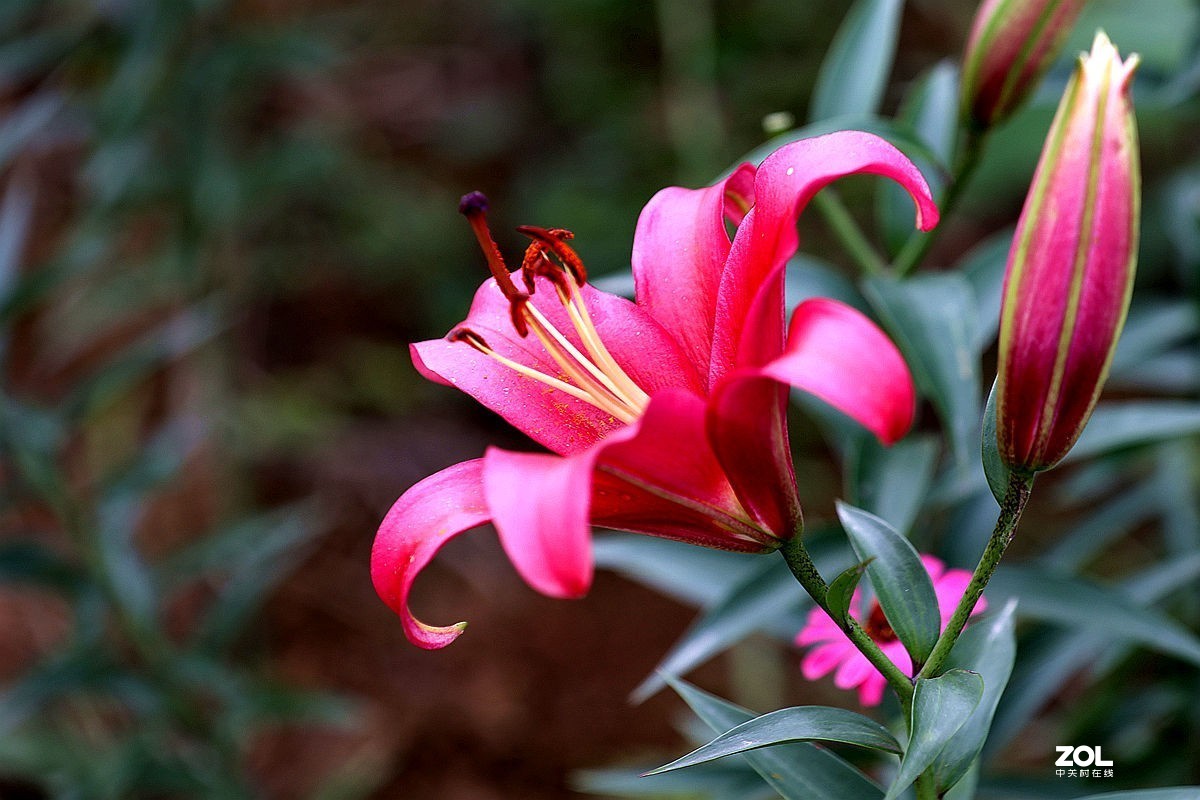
point(834, 651)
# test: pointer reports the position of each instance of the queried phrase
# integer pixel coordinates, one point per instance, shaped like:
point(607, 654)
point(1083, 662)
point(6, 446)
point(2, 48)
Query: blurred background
point(221, 224)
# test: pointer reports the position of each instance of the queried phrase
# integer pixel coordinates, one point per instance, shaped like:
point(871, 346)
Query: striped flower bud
point(1070, 271)
point(1012, 43)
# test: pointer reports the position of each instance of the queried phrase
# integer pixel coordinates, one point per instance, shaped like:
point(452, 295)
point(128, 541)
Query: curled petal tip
point(473, 203)
point(434, 637)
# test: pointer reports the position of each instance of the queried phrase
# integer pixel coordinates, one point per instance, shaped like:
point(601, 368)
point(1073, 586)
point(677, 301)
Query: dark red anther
point(554, 240)
point(537, 263)
point(464, 334)
point(517, 311)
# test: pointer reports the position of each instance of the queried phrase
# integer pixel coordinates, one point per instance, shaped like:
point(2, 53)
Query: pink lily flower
point(834, 651)
point(665, 416)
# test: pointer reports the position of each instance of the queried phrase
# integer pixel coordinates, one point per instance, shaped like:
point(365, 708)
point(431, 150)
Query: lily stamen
point(477, 342)
point(595, 378)
point(537, 261)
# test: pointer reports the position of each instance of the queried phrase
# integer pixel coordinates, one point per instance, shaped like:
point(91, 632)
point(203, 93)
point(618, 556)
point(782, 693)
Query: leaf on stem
point(988, 648)
point(789, 725)
point(901, 584)
point(799, 771)
point(841, 592)
point(940, 708)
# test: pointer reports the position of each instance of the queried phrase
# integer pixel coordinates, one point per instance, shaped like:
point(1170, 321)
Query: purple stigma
point(473, 203)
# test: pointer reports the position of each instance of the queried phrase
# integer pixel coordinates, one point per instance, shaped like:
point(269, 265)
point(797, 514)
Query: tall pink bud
point(1070, 272)
point(1012, 43)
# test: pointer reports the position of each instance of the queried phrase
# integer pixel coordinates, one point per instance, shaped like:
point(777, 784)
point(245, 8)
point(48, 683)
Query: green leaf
point(16, 212)
point(901, 584)
point(891, 482)
point(941, 706)
point(931, 110)
point(712, 781)
point(841, 592)
point(789, 725)
point(797, 771)
point(855, 71)
point(1174, 793)
point(179, 336)
point(29, 120)
point(766, 595)
point(1047, 663)
point(933, 319)
point(1109, 520)
point(267, 548)
point(129, 576)
point(32, 562)
point(994, 467)
point(693, 575)
point(808, 276)
point(1082, 605)
point(984, 267)
point(1117, 425)
point(989, 648)
point(1153, 327)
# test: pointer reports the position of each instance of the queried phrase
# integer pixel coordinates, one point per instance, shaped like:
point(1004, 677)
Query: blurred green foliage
point(222, 220)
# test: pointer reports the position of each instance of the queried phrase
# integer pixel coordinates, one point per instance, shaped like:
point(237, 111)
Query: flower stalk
point(805, 571)
point(1016, 495)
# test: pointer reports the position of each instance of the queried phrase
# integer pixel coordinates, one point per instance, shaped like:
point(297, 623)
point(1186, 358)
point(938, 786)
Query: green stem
point(802, 567)
point(1015, 497)
point(917, 246)
point(830, 204)
point(926, 787)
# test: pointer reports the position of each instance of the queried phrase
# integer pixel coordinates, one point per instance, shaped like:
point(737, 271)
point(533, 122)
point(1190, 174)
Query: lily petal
point(666, 480)
point(424, 518)
point(767, 238)
point(557, 421)
point(679, 252)
point(657, 476)
point(540, 505)
point(836, 353)
point(746, 427)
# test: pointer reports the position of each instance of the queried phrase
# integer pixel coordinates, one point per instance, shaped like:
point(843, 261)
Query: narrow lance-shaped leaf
point(931, 109)
point(934, 321)
point(854, 73)
point(1080, 604)
point(841, 592)
point(789, 725)
point(799, 771)
point(767, 593)
point(993, 466)
point(940, 708)
point(989, 648)
point(901, 584)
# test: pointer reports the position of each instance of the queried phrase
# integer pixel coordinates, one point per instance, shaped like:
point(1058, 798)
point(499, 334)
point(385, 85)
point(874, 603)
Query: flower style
point(833, 650)
point(665, 416)
point(1071, 268)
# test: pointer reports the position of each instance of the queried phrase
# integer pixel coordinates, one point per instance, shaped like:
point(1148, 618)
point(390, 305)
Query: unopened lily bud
point(1012, 43)
point(1070, 271)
